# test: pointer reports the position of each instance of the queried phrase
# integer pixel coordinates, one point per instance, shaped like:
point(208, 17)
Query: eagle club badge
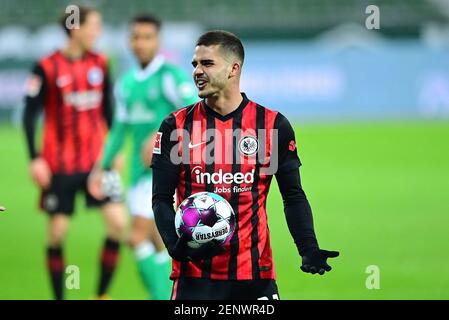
point(248, 145)
point(157, 143)
point(95, 76)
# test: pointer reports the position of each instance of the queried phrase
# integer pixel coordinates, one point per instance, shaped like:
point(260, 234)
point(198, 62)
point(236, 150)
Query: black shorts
point(206, 289)
point(60, 197)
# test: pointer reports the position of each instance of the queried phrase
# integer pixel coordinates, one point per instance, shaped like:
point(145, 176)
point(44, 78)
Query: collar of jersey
point(72, 60)
point(151, 68)
point(221, 117)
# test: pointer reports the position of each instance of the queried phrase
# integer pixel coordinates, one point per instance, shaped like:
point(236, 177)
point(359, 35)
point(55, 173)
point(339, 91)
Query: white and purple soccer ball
point(205, 216)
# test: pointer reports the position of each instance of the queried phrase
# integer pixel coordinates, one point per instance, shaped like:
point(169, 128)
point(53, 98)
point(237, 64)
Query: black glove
point(314, 261)
point(182, 252)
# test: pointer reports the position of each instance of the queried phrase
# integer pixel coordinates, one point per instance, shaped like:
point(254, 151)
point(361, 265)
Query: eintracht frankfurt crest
point(248, 145)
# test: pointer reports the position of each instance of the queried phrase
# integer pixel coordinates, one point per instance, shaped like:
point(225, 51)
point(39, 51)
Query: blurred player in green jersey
point(145, 96)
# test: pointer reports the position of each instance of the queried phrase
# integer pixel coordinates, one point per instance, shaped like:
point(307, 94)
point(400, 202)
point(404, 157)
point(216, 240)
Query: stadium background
point(371, 114)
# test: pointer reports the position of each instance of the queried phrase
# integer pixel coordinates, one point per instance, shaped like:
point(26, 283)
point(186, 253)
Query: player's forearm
point(114, 143)
point(107, 114)
point(108, 102)
point(34, 104)
point(300, 223)
point(297, 210)
point(29, 120)
point(164, 215)
point(164, 185)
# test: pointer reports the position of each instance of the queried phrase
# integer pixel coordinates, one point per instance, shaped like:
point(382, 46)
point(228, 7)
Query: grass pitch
point(379, 192)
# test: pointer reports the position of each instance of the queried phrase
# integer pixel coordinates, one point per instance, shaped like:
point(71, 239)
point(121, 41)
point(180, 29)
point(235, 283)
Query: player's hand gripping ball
point(203, 217)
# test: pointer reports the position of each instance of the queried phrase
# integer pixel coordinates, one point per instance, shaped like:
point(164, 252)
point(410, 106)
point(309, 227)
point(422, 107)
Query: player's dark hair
point(84, 11)
point(228, 41)
point(147, 18)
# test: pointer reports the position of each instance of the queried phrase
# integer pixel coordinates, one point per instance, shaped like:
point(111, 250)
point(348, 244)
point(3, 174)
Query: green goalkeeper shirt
point(144, 98)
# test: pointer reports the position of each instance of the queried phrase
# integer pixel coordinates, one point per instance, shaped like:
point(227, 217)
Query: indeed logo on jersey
point(222, 178)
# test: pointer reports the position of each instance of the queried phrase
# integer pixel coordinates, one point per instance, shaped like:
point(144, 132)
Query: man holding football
point(194, 141)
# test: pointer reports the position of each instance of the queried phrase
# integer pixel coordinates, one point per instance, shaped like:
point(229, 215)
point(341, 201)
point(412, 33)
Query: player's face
point(144, 41)
point(211, 70)
point(89, 31)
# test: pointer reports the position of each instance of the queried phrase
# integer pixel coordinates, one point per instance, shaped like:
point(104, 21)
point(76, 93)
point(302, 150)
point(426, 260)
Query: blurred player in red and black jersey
point(232, 146)
point(72, 88)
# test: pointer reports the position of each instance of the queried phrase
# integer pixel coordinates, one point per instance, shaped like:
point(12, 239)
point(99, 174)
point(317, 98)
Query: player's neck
point(225, 103)
point(145, 63)
point(73, 50)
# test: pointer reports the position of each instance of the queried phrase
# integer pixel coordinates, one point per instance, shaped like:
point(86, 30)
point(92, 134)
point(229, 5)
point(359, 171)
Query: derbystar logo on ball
point(211, 235)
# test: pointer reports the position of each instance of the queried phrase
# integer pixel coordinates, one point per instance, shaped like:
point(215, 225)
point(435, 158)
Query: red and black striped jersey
point(236, 157)
point(74, 96)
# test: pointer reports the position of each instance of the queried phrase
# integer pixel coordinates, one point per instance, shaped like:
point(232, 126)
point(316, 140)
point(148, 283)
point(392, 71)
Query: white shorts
point(139, 199)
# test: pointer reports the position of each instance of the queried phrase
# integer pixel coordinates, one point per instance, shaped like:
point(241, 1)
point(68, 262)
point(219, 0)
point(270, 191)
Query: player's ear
point(235, 69)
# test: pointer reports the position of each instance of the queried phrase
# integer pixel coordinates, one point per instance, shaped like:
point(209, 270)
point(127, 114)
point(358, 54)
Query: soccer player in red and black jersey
point(72, 88)
point(232, 146)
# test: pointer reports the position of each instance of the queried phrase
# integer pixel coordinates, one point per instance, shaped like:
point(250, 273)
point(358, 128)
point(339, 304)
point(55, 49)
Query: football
point(205, 216)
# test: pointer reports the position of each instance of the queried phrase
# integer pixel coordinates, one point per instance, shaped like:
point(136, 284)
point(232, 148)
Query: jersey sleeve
point(165, 151)
point(178, 88)
point(35, 90)
point(288, 158)
point(116, 136)
point(108, 105)
point(36, 84)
